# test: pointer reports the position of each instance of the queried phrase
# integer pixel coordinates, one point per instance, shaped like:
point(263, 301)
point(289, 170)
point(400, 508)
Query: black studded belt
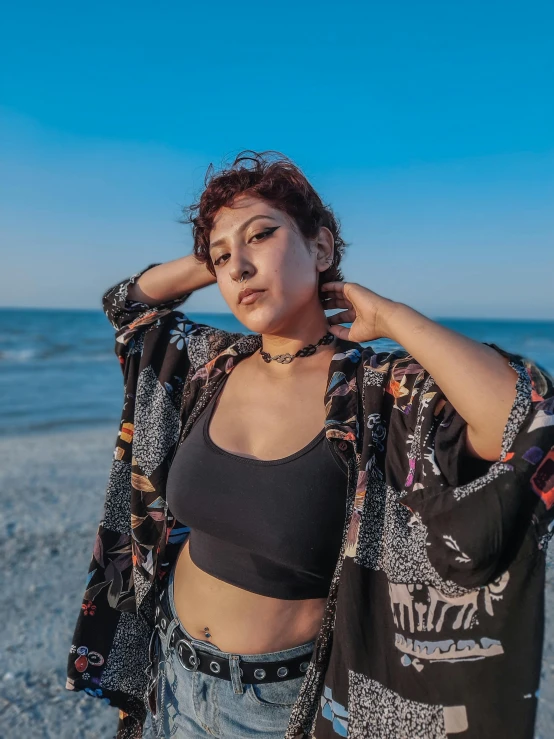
point(195, 658)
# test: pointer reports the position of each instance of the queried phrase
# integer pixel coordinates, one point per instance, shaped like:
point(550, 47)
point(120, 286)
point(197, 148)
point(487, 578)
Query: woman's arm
point(477, 380)
point(150, 297)
point(169, 280)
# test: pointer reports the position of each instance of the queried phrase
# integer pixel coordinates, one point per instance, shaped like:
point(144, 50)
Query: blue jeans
point(193, 705)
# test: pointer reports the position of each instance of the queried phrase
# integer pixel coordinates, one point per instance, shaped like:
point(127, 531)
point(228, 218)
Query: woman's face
point(255, 239)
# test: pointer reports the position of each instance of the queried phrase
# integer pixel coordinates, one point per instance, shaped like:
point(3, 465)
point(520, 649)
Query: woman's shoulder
point(171, 348)
point(204, 342)
point(392, 363)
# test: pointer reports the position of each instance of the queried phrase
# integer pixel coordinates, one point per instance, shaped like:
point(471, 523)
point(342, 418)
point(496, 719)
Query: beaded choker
point(305, 352)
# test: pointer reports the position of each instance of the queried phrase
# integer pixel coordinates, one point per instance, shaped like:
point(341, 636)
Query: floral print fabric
point(433, 624)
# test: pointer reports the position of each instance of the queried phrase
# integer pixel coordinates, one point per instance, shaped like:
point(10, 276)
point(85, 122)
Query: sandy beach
point(51, 508)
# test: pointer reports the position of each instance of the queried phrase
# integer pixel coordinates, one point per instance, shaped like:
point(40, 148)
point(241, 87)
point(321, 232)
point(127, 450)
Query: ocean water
point(58, 369)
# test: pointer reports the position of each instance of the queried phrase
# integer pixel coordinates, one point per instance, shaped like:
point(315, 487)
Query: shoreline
point(54, 484)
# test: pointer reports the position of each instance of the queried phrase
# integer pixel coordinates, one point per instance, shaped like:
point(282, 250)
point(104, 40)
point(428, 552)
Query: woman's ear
point(325, 249)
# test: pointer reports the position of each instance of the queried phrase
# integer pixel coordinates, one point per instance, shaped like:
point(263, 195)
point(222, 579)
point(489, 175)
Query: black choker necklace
point(305, 352)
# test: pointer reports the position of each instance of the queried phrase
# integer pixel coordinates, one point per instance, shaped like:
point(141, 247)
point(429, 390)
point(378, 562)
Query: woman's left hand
point(367, 311)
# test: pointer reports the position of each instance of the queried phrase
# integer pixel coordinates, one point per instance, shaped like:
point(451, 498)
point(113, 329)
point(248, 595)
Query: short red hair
point(274, 178)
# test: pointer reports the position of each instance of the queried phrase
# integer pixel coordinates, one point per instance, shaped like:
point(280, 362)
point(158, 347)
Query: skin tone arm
point(477, 380)
point(170, 280)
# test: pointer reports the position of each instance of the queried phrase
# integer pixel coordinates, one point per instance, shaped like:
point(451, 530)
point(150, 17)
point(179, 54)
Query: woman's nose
point(240, 267)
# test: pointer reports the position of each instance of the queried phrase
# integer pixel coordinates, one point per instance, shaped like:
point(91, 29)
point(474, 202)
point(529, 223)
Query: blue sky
point(429, 127)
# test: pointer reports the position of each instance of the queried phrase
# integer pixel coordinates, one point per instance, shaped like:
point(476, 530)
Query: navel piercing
point(207, 632)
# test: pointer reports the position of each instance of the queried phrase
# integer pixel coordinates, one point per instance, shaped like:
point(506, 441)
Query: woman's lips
point(251, 297)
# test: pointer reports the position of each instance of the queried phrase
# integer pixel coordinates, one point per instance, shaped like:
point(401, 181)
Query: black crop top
point(272, 527)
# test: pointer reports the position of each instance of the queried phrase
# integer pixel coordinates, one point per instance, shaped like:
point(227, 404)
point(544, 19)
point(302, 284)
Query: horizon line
point(229, 313)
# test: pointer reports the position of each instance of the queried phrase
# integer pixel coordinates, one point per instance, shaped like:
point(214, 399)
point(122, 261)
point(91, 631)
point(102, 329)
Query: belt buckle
point(193, 659)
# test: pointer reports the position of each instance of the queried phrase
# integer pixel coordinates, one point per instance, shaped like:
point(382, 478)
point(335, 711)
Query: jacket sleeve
point(130, 317)
point(482, 516)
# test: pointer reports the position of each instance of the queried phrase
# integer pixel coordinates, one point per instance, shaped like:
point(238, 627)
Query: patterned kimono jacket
point(433, 625)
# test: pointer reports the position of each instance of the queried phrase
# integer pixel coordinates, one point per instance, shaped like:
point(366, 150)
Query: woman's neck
point(290, 342)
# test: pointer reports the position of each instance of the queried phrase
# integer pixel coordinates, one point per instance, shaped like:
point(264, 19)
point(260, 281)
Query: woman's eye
point(267, 232)
point(218, 260)
point(258, 237)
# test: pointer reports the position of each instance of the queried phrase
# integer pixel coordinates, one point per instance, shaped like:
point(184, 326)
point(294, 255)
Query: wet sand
point(53, 491)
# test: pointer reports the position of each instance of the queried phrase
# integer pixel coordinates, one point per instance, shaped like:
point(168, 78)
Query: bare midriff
point(239, 621)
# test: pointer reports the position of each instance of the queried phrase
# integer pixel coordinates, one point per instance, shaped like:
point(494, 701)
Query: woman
point(302, 537)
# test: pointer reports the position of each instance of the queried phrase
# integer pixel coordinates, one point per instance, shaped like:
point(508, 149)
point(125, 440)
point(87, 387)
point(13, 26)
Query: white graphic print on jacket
point(394, 541)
